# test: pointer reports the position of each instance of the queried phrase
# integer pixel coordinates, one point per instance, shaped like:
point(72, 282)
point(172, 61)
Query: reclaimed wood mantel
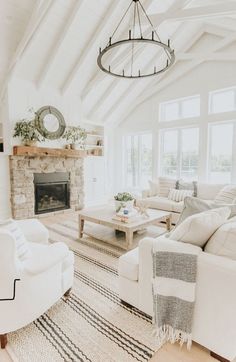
point(43, 151)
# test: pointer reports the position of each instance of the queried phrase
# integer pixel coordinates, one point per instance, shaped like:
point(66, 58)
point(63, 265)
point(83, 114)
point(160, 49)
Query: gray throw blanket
point(174, 281)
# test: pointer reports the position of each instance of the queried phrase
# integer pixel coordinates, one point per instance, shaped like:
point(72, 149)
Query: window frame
point(125, 159)
point(179, 148)
point(179, 101)
point(233, 168)
point(217, 91)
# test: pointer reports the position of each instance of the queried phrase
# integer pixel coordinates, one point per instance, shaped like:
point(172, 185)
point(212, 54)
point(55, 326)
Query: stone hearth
point(22, 169)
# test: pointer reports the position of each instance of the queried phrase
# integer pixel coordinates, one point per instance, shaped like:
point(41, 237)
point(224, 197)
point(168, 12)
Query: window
point(138, 158)
point(180, 108)
point(169, 155)
point(221, 151)
point(223, 100)
point(189, 153)
point(179, 153)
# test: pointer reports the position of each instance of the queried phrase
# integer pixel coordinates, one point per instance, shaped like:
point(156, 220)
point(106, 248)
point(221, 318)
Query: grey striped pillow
point(227, 195)
point(22, 247)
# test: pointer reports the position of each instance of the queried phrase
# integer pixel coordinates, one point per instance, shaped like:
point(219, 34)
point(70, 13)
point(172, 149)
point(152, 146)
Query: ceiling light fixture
point(131, 67)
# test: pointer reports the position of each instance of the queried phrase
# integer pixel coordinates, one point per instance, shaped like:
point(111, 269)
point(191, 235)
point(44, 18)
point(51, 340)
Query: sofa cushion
point(163, 203)
point(197, 229)
point(177, 206)
point(208, 191)
point(22, 245)
point(227, 195)
point(179, 195)
point(223, 241)
point(128, 265)
point(34, 230)
point(165, 184)
point(154, 187)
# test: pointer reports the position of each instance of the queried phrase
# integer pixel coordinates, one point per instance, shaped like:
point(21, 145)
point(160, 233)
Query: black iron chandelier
point(134, 46)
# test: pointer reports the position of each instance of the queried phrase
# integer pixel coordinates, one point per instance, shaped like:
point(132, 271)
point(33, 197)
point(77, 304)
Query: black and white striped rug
point(92, 324)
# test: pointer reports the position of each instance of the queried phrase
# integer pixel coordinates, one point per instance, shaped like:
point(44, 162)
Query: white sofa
point(205, 191)
point(29, 288)
point(214, 324)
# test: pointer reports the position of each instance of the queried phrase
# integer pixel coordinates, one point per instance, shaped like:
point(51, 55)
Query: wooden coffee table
point(104, 216)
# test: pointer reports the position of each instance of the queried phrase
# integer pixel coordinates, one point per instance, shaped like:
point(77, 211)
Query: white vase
point(124, 204)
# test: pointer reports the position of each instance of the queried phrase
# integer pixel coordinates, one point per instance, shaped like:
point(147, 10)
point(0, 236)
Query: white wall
point(207, 77)
point(24, 95)
point(21, 96)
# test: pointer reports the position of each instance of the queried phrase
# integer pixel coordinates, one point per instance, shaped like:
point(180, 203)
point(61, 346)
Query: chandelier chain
point(139, 20)
point(150, 22)
point(132, 52)
point(114, 32)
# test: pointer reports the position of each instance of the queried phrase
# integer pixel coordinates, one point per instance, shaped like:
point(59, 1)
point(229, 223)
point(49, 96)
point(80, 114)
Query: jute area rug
point(92, 324)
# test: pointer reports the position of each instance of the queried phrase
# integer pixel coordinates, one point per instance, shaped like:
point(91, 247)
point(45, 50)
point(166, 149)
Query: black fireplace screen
point(52, 192)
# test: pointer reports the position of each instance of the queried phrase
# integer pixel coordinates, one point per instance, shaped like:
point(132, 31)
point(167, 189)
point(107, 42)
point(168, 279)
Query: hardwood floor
point(169, 353)
point(4, 356)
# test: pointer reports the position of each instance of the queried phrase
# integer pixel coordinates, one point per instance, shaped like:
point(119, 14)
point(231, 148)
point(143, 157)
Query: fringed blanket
point(174, 281)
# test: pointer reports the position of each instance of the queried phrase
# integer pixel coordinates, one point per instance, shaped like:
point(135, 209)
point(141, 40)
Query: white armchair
point(30, 287)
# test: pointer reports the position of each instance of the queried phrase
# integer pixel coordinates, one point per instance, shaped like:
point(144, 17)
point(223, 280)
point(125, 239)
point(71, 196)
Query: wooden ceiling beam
point(199, 13)
point(40, 12)
point(59, 42)
point(90, 46)
point(218, 57)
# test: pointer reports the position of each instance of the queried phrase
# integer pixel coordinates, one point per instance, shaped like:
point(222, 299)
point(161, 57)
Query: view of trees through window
point(223, 100)
point(179, 153)
point(138, 159)
point(221, 150)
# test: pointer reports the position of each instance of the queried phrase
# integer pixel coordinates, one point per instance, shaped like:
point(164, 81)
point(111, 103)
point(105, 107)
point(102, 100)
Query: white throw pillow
point(227, 195)
point(22, 247)
point(223, 241)
point(179, 195)
point(165, 184)
point(154, 187)
point(198, 228)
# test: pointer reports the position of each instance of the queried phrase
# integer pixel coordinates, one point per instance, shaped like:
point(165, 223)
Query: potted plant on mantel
point(124, 200)
point(27, 132)
point(75, 136)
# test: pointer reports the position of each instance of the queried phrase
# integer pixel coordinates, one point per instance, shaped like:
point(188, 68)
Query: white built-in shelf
point(94, 146)
point(95, 135)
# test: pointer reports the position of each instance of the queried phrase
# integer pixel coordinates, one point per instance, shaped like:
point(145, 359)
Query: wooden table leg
point(81, 226)
point(3, 339)
point(129, 239)
point(168, 223)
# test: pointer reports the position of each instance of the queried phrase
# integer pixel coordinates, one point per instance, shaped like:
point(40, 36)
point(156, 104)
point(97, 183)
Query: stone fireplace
point(43, 184)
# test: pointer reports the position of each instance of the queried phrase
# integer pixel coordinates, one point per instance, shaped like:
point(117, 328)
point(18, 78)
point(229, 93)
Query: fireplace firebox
point(52, 192)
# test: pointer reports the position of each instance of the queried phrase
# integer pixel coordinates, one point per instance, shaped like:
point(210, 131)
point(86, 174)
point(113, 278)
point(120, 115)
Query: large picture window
point(221, 151)
point(223, 100)
point(180, 108)
point(179, 153)
point(138, 159)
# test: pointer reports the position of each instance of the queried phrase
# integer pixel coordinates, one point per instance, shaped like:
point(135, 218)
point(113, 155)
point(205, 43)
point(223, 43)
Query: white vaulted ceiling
point(55, 43)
